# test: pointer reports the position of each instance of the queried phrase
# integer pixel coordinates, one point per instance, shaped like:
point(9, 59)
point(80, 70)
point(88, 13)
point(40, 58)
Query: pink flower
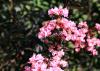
point(78, 42)
point(43, 67)
point(39, 63)
point(65, 12)
point(36, 58)
point(83, 30)
point(51, 25)
point(76, 32)
point(56, 58)
point(53, 11)
point(27, 68)
point(41, 35)
point(94, 52)
point(60, 53)
point(65, 35)
point(90, 48)
point(63, 63)
point(98, 42)
point(67, 24)
point(73, 37)
point(91, 42)
point(77, 49)
point(54, 69)
point(39, 57)
point(46, 29)
point(54, 63)
point(32, 59)
point(58, 11)
point(83, 25)
point(97, 26)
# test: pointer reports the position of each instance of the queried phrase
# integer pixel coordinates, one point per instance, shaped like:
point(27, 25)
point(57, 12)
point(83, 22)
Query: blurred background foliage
point(20, 21)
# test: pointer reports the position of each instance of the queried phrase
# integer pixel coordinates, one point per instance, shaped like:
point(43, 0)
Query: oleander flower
point(97, 26)
point(58, 11)
point(79, 35)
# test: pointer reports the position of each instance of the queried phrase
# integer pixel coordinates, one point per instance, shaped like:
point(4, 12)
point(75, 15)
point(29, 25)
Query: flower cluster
point(92, 42)
point(78, 34)
point(97, 26)
point(40, 63)
point(46, 29)
point(58, 11)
